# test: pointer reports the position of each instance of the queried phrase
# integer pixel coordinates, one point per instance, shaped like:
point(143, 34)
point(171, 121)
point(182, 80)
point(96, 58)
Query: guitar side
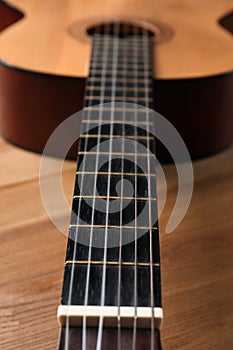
point(200, 108)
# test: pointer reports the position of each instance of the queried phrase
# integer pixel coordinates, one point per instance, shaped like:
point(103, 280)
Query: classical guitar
point(111, 294)
point(192, 66)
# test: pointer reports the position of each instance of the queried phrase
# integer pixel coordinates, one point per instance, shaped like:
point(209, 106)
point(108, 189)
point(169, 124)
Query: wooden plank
point(197, 259)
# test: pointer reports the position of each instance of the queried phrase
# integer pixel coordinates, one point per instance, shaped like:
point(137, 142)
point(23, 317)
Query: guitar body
point(45, 62)
point(45, 52)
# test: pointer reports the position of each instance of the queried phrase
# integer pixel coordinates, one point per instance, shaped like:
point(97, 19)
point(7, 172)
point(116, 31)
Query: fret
point(88, 143)
point(120, 124)
point(128, 96)
point(139, 184)
point(119, 89)
point(122, 79)
point(103, 136)
point(122, 69)
point(135, 68)
point(146, 102)
point(139, 111)
point(113, 173)
point(127, 114)
point(127, 130)
point(128, 40)
point(113, 129)
point(120, 74)
point(107, 85)
point(119, 109)
point(97, 63)
point(117, 153)
point(95, 121)
point(127, 62)
point(116, 197)
point(121, 50)
point(106, 98)
point(127, 227)
point(122, 61)
point(113, 263)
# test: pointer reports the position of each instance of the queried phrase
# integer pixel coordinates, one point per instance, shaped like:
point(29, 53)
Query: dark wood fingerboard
point(120, 77)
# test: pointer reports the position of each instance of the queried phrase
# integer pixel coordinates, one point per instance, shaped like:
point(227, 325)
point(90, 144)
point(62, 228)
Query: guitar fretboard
point(113, 247)
point(121, 70)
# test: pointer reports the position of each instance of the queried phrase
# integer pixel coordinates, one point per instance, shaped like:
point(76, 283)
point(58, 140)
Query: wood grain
point(197, 259)
point(198, 47)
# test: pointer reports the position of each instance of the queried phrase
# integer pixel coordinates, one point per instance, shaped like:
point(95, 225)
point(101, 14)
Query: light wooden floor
point(197, 259)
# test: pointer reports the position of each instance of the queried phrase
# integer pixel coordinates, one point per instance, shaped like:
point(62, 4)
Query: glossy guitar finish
point(8, 70)
point(46, 78)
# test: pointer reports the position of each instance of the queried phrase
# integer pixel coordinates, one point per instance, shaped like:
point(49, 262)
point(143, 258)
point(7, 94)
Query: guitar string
point(99, 43)
point(104, 277)
point(124, 66)
point(135, 69)
point(76, 233)
point(88, 113)
point(89, 246)
point(104, 43)
point(146, 45)
point(114, 77)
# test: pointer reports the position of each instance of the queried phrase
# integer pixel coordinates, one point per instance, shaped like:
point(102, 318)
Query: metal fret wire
point(114, 76)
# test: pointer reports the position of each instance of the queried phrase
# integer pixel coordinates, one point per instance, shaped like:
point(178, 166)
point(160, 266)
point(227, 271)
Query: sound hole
point(83, 30)
point(121, 30)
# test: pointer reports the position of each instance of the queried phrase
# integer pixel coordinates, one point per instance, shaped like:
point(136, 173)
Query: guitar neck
point(112, 269)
